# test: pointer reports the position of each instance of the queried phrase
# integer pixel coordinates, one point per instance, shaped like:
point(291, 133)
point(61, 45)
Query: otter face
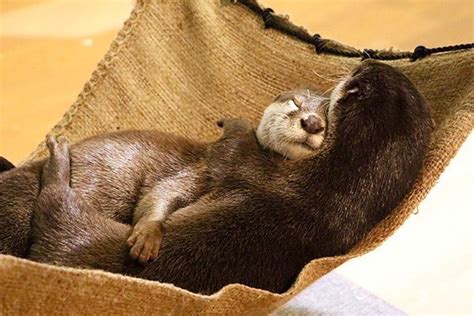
point(376, 104)
point(294, 124)
point(373, 89)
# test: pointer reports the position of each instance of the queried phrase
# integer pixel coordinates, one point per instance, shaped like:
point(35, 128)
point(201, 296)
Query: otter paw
point(57, 168)
point(234, 126)
point(228, 122)
point(145, 241)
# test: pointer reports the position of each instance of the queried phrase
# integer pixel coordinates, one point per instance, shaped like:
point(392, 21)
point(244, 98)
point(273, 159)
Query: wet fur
point(264, 218)
point(111, 172)
point(134, 177)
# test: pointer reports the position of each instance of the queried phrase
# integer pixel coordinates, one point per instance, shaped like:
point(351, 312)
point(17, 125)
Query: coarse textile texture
point(179, 66)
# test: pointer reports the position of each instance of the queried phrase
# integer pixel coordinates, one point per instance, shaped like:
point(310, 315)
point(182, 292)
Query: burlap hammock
point(181, 65)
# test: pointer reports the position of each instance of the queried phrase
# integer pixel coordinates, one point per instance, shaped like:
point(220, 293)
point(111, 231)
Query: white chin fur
point(270, 139)
point(315, 141)
point(295, 151)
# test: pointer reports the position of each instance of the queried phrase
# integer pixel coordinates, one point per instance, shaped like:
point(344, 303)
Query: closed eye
point(293, 105)
point(353, 90)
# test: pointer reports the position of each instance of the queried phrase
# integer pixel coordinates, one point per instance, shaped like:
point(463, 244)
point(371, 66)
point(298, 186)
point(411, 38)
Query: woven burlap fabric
point(178, 66)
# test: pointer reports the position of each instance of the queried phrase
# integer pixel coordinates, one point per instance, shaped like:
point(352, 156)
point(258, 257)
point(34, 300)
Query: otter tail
point(5, 165)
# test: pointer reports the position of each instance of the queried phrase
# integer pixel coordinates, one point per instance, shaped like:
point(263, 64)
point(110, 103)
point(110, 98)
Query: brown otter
point(294, 124)
point(116, 173)
point(264, 218)
point(140, 177)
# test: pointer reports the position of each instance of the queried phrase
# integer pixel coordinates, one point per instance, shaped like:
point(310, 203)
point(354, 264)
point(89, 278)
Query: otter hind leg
point(66, 230)
point(18, 191)
point(57, 171)
point(56, 198)
point(54, 205)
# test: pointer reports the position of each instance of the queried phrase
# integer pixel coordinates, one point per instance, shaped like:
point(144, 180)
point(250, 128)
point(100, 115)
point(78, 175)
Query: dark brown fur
point(265, 218)
point(112, 172)
point(5, 164)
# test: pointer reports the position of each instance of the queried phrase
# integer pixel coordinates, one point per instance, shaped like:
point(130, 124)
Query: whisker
point(330, 89)
point(324, 78)
point(345, 68)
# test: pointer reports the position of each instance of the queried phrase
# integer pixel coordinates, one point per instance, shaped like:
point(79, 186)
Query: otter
point(294, 123)
point(140, 177)
point(264, 217)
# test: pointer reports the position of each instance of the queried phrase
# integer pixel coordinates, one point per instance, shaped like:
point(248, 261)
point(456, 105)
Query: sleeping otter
point(294, 124)
point(140, 177)
point(264, 218)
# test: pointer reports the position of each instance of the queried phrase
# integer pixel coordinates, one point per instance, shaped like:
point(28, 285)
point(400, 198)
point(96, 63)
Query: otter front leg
point(147, 231)
point(234, 127)
point(153, 209)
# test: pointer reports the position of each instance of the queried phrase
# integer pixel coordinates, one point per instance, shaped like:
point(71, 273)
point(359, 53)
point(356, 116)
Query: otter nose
point(312, 124)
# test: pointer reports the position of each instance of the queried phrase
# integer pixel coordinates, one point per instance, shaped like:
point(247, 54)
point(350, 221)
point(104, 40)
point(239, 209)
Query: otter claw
point(145, 241)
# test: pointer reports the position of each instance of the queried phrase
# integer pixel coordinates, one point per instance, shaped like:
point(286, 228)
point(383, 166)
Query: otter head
point(376, 103)
point(294, 124)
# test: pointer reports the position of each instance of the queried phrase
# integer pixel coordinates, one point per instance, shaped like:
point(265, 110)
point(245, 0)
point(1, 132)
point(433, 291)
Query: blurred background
point(49, 48)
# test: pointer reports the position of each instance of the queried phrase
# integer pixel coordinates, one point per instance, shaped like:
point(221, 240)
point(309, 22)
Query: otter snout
point(312, 124)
